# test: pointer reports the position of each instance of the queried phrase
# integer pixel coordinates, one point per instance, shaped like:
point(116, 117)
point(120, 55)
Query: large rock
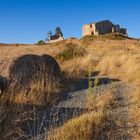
point(50, 62)
point(35, 77)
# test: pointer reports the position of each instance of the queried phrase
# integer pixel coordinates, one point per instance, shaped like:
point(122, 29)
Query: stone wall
point(98, 28)
point(56, 40)
point(101, 28)
point(88, 29)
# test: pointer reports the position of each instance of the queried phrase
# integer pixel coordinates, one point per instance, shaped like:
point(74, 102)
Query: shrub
point(86, 40)
point(41, 42)
point(34, 79)
point(71, 51)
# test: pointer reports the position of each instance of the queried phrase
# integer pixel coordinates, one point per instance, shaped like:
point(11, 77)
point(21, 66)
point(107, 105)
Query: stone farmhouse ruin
point(101, 28)
point(58, 36)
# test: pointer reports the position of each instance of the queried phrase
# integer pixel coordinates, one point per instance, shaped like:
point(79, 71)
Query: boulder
point(36, 77)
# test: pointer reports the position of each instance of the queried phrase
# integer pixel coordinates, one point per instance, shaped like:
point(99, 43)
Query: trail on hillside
point(73, 104)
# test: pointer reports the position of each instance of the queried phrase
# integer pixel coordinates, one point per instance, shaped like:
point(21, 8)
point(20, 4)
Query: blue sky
point(27, 21)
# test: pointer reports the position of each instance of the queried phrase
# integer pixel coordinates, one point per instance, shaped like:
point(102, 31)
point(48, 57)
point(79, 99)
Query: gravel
point(71, 105)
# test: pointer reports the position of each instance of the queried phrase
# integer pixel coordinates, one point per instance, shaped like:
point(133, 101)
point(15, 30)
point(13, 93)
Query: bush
point(41, 42)
point(71, 51)
point(86, 40)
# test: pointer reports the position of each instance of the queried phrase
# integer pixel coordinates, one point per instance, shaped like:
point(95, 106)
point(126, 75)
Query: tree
point(41, 42)
point(49, 34)
point(58, 31)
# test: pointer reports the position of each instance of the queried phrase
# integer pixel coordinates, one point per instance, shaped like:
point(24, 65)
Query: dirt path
point(74, 104)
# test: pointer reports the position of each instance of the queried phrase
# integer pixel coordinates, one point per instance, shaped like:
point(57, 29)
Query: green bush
point(41, 42)
point(71, 51)
point(86, 40)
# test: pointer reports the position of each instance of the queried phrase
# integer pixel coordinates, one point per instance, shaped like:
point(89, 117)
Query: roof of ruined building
point(53, 37)
point(99, 22)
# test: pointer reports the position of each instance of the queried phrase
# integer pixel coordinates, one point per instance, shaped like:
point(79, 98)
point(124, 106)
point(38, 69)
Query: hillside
point(86, 64)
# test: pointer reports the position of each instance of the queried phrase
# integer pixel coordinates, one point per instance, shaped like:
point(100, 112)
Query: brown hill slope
point(117, 58)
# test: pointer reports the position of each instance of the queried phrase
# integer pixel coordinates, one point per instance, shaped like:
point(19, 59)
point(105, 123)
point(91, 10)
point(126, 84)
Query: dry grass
point(78, 67)
point(119, 58)
point(92, 126)
point(9, 117)
point(83, 125)
point(102, 102)
point(99, 124)
point(34, 81)
point(87, 40)
point(126, 66)
point(71, 51)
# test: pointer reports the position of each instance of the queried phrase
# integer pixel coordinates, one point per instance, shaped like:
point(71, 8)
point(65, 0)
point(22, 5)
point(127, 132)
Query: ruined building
point(58, 36)
point(101, 28)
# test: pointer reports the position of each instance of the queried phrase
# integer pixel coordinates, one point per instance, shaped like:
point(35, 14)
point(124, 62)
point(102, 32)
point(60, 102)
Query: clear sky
point(27, 21)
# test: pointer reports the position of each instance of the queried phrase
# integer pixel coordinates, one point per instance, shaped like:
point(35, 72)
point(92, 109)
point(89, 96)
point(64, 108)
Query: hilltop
point(112, 63)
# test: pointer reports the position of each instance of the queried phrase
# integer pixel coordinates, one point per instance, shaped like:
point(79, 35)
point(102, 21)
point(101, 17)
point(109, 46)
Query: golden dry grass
point(117, 59)
point(34, 81)
point(98, 124)
point(114, 58)
point(92, 126)
point(103, 102)
point(79, 128)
